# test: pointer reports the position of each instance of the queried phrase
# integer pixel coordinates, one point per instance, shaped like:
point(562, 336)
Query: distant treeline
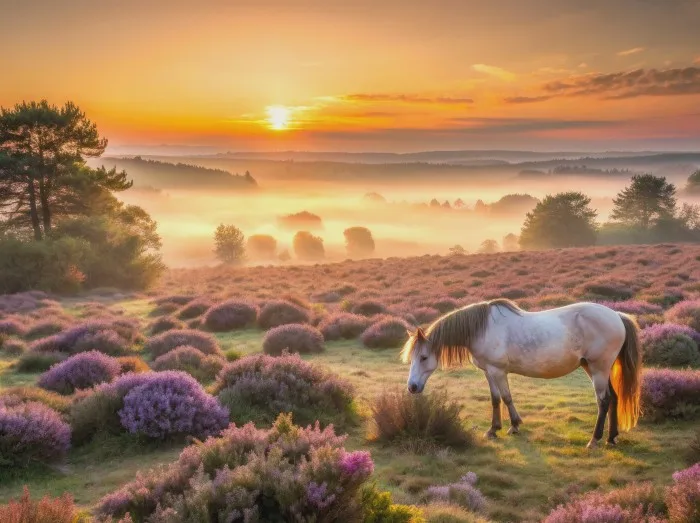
point(573, 170)
point(164, 175)
point(510, 204)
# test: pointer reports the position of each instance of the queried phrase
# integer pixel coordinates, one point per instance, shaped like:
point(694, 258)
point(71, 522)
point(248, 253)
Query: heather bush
point(463, 493)
point(256, 388)
point(114, 338)
point(12, 327)
point(46, 510)
point(445, 305)
point(670, 345)
point(419, 421)
point(192, 361)
point(132, 364)
point(450, 513)
point(82, 371)
point(606, 290)
point(31, 432)
point(175, 299)
point(424, 315)
point(164, 324)
point(284, 473)
point(303, 339)
point(343, 325)
point(38, 361)
point(636, 307)
point(12, 347)
point(276, 313)
point(388, 333)
point(194, 309)
point(44, 328)
point(377, 507)
point(686, 313)
point(683, 496)
point(167, 341)
point(369, 308)
point(163, 309)
point(53, 400)
point(668, 393)
point(230, 315)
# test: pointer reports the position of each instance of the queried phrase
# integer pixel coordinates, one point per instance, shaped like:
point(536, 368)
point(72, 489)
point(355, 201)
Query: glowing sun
point(278, 117)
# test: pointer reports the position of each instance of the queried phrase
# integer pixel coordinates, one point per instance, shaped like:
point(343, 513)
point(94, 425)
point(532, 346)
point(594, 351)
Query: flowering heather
point(425, 315)
point(38, 361)
point(303, 339)
point(463, 493)
point(276, 313)
point(12, 327)
point(24, 302)
point(670, 393)
point(445, 305)
point(258, 387)
point(44, 328)
point(12, 347)
point(192, 361)
point(177, 299)
point(167, 341)
point(670, 345)
point(686, 313)
point(343, 325)
point(16, 395)
point(166, 323)
point(111, 337)
point(230, 315)
point(369, 308)
point(388, 333)
point(31, 432)
point(46, 510)
point(81, 371)
point(636, 307)
point(132, 364)
point(171, 403)
point(194, 309)
point(284, 473)
point(683, 497)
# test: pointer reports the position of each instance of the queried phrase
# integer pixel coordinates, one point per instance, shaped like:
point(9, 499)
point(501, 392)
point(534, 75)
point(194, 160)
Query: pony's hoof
point(593, 444)
point(513, 431)
point(612, 442)
point(491, 434)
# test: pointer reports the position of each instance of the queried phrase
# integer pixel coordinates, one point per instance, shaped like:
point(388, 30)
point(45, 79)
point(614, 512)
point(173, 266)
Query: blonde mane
point(452, 335)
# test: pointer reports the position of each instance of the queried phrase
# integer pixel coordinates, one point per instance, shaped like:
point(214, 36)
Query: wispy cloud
point(492, 70)
point(407, 98)
point(526, 99)
point(628, 52)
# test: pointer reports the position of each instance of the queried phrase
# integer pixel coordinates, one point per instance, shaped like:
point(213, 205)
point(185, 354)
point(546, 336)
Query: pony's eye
point(423, 358)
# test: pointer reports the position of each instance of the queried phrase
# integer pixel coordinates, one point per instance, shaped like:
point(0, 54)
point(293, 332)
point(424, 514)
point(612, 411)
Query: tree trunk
point(33, 212)
point(45, 210)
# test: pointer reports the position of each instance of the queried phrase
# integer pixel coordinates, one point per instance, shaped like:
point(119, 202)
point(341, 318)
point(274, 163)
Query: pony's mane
point(452, 335)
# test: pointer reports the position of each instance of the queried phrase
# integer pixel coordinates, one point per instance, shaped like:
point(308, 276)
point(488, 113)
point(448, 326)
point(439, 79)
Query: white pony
point(500, 338)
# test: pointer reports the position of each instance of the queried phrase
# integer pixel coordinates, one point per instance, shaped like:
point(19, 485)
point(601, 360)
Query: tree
point(693, 184)
point(644, 202)
point(562, 220)
point(230, 244)
point(458, 204)
point(511, 242)
point(359, 242)
point(308, 247)
point(488, 247)
point(434, 203)
point(457, 250)
point(41, 146)
point(261, 247)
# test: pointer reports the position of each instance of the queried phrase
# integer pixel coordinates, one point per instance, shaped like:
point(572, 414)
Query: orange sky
point(381, 75)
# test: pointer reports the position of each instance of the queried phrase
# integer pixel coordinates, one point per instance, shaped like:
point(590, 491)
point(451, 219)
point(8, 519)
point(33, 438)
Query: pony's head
point(423, 360)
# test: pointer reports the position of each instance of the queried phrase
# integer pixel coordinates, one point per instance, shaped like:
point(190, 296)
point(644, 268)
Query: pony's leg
point(613, 432)
point(496, 404)
point(600, 385)
point(515, 419)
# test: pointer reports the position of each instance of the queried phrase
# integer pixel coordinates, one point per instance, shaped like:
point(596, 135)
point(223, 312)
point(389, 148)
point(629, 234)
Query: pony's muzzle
point(414, 389)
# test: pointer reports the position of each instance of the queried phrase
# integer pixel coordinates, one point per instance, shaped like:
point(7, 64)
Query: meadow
point(522, 477)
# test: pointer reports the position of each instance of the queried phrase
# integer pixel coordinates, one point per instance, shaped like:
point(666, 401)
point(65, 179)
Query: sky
point(380, 75)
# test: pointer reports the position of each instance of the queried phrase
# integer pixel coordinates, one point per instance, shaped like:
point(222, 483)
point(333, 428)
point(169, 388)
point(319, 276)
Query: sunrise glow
point(278, 117)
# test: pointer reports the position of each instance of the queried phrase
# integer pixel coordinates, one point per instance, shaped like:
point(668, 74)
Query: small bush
point(13, 347)
point(256, 388)
point(604, 290)
point(670, 393)
point(284, 473)
point(38, 361)
point(31, 432)
point(463, 493)
point(81, 371)
point(167, 341)
point(343, 325)
point(12, 327)
point(194, 309)
point(164, 324)
point(426, 315)
point(377, 507)
point(445, 305)
point(132, 364)
point(636, 307)
point(192, 361)
point(420, 421)
point(670, 345)
point(683, 497)
point(230, 315)
point(388, 333)
point(45, 328)
point(53, 400)
point(449, 513)
point(303, 339)
point(46, 510)
point(686, 313)
point(276, 313)
point(369, 308)
point(114, 338)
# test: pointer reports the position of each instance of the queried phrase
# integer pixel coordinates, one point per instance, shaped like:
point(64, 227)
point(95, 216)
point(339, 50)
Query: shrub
point(683, 497)
point(194, 309)
point(670, 345)
point(46, 510)
point(230, 315)
point(636, 307)
point(45, 328)
point(605, 290)
point(463, 493)
point(359, 242)
point(166, 323)
point(113, 337)
point(670, 393)
point(132, 364)
point(191, 361)
point(167, 341)
point(256, 388)
point(686, 313)
point(261, 247)
point(13, 347)
point(308, 247)
point(31, 432)
point(303, 339)
point(284, 473)
point(81, 371)
point(276, 313)
point(369, 308)
point(343, 325)
point(38, 361)
point(426, 314)
point(12, 327)
point(388, 333)
point(53, 400)
point(377, 507)
point(230, 244)
point(419, 421)
point(445, 305)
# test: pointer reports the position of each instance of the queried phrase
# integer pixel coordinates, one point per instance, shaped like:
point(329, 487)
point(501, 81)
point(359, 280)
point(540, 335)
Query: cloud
point(526, 99)
point(492, 70)
point(406, 98)
point(628, 52)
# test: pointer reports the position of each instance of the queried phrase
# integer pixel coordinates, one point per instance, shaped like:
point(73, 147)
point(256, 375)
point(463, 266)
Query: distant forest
point(153, 174)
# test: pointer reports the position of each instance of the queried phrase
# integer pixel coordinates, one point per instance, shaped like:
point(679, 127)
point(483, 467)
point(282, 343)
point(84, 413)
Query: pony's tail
point(626, 375)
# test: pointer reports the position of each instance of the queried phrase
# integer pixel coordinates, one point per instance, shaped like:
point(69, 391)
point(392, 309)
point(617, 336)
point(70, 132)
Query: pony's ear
point(420, 334)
